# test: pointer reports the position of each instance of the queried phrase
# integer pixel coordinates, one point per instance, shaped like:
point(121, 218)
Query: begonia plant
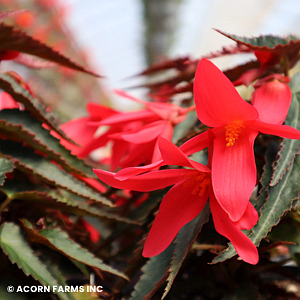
point(193, 195)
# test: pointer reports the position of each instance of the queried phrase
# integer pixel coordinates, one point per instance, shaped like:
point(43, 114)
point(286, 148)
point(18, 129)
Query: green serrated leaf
point(56, 273)
point(29, 162)
point(61, 241)
point(17, 40)
point(6, 166)
point(155, 272)
point(266, 178)
point(5, 295)
point(33, 105)
point(74, 201)
point(60, 199)
point(289, 147)
point(183, 242)
point(16, 248)
point(82, 267)
point(281, 199)
point(21, 125)
point(263, 42)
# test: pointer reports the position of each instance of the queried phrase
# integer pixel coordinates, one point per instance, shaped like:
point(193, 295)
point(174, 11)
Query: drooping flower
point(184, 201)
point(236, 124)
point(272, 98)
point(83, 133)
point(133, 134)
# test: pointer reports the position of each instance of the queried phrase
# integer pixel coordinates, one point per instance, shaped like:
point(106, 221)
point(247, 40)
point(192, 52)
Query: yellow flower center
point(198, 183)
point(233, 131)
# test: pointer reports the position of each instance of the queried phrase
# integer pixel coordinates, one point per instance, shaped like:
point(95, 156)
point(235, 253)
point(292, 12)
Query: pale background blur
point(122, 37)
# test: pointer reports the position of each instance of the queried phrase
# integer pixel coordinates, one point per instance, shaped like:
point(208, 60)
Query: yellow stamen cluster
point(200, 183)
point(233, 131)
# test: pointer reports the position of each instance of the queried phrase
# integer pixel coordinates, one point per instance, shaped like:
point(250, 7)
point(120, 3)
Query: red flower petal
point(138, 154)
point(249, 218)
point(217, 101)
point(146, 182)
point(195, 144)
point(178, 207)
point(172, 155)
point(272, 100)
point(98, 112)
point(133, 171)
point(124, 118)
point(274, 129)
point(234, 173)
point(79, 130)
point(242, 244)
point(7, 101)
point(144, 134)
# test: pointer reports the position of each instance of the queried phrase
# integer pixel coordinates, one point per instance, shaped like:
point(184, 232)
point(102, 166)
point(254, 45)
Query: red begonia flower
point(133, 135)
point(183, 202)
point(236, 123)
point(272, 98)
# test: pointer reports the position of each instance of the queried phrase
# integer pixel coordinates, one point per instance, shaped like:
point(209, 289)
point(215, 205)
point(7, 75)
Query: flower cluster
point(133, 135)
point(229, 177)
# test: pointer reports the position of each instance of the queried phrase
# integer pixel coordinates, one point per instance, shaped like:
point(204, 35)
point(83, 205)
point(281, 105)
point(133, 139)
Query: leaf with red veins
point(13, 39)
point(179, 206)
point(228, 50)
point(217, 100)
point(21, 93)
point(288, 47)
point(234, 173)
point(165, 92)
point(237, 72)
point(263, 42)
point(179, 64)
point(184, 76)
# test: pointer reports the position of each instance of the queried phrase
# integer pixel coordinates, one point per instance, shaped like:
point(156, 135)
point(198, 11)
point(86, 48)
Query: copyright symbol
point(10, 288)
